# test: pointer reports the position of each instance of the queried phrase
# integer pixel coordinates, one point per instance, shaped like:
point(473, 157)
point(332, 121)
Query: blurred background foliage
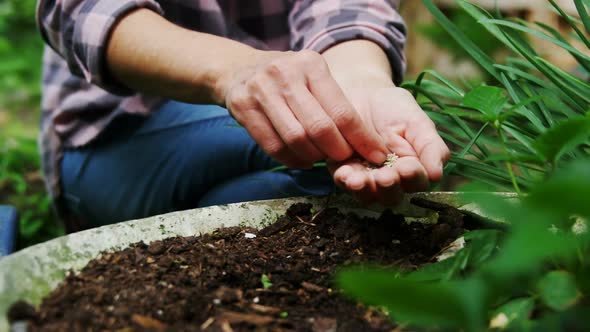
point(21, 183)
point(20, 55)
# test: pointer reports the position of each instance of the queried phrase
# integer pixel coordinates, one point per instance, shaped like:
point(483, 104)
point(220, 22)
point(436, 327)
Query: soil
point(229, 280)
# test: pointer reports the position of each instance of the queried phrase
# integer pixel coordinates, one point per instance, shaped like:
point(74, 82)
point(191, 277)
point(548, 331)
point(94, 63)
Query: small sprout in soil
point(389, 162)
point(312, 211)
point(265, 280)
point(284, 314)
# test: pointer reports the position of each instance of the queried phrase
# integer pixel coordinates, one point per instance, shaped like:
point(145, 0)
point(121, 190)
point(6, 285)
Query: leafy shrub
point(466, 23)
point(20, 55)
point(21, 185)
point(529, 134)
point(20, 76)
point(528, 124)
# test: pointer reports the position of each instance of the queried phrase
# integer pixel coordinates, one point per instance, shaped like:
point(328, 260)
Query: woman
point(136, 96)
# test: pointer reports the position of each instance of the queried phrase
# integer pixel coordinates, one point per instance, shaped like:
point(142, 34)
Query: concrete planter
point(32, 273)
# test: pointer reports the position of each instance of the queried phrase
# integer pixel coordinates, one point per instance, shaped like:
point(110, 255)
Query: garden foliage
point(20, 55)
point(527, 131)
point(20, 75)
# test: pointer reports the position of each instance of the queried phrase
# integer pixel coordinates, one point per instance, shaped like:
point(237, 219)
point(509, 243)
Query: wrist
point(363, 80)
point(359, 64)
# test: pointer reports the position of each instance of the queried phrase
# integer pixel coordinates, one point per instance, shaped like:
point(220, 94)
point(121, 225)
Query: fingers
point(433, 157)
point(431, 149)
point(361, 137)
point(367, 185)
point(409, 131)
point(262, 131)
point(413, 175)
point(398, 144)
point(291, 131)
point(308, 113)
point(319, 126)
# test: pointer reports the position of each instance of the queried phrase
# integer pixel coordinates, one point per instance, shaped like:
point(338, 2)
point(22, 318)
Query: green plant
point(20, 73)
point(530, 133)
point(465, 22)
point(20, 55)
point(501, 277)
point(531, 122)
point(21, 185)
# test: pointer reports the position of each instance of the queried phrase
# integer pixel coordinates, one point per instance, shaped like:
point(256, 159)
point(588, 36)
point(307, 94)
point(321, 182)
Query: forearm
point(169, 61)
point(359, 64)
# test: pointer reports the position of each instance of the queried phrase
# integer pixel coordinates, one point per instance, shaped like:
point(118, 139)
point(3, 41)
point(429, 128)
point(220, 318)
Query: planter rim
point(33, 272)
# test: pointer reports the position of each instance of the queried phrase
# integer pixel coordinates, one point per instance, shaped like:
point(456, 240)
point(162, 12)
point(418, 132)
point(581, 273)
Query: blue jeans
point(182, 156)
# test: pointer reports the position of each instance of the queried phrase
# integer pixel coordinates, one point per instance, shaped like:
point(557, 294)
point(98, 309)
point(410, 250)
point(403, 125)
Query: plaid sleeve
point(78, 30)
point(321, 24)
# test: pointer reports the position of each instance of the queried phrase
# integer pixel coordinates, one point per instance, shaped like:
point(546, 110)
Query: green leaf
point(522, 158)
point(450, 167)
point(426, 304)
point(466, 114)
point(511, 315)
point(583, 14)
point(441, 78)
point(571, 22)
point(558, 290)
point(575, 319)
point(525, 49)
point(526, 29)
point(566, 80)
point(491, 171)
point(489, 100)
point(470, 47)
point(483, 243)
point(530, 242)
point(562, 138)
point(517, 73)
point(565, 193)
point(584, 63)
point(443, 270)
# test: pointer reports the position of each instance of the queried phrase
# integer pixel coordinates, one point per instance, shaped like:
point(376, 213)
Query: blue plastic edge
point(8, 228)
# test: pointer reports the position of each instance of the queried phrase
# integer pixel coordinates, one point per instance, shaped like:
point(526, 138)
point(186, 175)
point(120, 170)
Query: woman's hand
point(362, 70)
point(296, 111)
point(408, 132)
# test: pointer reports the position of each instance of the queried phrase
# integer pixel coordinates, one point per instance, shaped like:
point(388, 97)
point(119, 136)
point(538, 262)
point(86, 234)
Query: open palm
point(408, 132)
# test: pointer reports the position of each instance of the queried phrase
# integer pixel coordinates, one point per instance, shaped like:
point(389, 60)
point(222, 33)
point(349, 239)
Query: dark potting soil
point(281, 280)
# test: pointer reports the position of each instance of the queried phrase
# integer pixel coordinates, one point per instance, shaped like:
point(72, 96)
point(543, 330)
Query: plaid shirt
point(80, 99)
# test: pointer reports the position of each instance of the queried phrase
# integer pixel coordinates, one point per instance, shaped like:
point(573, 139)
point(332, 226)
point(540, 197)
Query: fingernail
point(378, 157)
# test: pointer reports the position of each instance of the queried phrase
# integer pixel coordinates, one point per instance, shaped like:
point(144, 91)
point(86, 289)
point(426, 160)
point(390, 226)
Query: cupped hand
point(408, 132)
point(294, 109)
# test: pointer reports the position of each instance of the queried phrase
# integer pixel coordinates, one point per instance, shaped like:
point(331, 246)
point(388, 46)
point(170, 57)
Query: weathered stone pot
point(32, 273)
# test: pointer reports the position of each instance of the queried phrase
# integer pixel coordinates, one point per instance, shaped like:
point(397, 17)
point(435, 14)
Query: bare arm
point(170, 61)
point(359, 64)
point(288, 101)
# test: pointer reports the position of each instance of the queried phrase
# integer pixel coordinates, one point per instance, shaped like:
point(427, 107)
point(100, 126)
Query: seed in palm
point(389, 162)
